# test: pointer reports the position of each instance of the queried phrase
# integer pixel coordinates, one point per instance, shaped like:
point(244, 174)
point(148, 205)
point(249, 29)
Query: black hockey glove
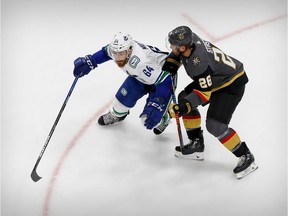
point(181, 108)
point(172, 64)
point(83, 65)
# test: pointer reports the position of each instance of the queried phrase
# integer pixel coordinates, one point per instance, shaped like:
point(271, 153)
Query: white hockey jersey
point(145, 63)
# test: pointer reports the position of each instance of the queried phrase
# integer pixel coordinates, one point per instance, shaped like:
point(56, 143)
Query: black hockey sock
point(240, 149)
point(195, 133)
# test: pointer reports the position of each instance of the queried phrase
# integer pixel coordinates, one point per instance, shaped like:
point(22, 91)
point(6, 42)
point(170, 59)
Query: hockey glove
point(172, 64)
point(181, 108)
point(83, 65)
point(154, 111)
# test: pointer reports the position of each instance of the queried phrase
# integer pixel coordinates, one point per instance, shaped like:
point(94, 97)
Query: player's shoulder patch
point(196, 60)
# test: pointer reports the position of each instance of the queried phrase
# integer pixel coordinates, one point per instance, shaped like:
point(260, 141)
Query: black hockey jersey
point(212, 70)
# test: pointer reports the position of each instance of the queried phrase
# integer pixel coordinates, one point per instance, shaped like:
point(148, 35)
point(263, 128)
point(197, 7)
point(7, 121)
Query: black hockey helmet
point(181, 36)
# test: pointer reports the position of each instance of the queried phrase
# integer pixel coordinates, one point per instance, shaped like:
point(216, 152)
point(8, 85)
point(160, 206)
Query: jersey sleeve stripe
point(162, 77)
point(205, 96)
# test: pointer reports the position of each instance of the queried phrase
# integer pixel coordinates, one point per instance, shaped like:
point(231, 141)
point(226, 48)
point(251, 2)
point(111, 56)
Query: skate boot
point(193, 150)
point(109, 118)
point(246, 165)
point(166, 120)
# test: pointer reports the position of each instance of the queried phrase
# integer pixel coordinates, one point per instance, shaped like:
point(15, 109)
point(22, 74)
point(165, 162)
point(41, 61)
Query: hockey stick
point(35, 177)
point(177, 121)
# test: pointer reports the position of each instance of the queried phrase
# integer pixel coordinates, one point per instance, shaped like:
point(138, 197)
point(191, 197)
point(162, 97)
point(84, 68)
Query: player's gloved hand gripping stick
point(35, 177)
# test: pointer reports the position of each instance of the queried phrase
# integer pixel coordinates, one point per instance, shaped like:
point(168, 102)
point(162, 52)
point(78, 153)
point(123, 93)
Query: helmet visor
point(170, 46)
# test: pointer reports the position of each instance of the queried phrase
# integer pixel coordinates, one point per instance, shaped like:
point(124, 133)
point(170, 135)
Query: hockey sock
point(229, 139)
point(192, 120)
point(194, 133)
point(240, 149)
point(118, 114)
point(119, 109)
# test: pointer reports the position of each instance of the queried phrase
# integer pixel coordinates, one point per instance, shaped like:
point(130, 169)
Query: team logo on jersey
point(123, 91)
point(196, 61)
point(133, 61)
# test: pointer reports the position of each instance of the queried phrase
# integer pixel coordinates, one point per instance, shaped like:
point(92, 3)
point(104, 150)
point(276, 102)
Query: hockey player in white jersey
point(146, 75)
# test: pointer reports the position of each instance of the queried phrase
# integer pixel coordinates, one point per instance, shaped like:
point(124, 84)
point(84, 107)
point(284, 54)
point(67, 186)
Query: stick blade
point(35, 177)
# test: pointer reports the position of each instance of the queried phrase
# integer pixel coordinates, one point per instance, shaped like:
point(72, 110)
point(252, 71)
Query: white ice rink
point(125, 170)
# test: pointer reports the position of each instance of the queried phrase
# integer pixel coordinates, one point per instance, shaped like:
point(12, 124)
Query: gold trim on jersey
point(204, 95)
point(229, 82)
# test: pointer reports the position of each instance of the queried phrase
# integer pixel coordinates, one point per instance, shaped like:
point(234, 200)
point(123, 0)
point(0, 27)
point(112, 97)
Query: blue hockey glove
point(83, 65)
point(154, 111)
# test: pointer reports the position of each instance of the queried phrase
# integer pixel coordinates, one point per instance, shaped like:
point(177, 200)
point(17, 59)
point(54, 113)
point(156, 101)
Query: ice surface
point(125, 170)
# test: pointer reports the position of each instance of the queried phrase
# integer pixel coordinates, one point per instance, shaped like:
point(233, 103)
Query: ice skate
point(109, 118)
point(246, 165)
point(166, 121)
point(193, 150)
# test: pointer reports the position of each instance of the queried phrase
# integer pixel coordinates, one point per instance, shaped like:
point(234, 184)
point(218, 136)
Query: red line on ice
point(68, 149)
point(231, 34)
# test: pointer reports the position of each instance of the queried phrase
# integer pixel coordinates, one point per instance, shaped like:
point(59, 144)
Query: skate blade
point(195, 156)
point(247, 171)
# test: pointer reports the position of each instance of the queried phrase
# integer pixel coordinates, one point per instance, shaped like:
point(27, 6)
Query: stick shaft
point(178, 121)
point(34, 174)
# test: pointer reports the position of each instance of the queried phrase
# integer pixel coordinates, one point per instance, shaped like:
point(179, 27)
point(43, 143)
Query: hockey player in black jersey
point(218, 80)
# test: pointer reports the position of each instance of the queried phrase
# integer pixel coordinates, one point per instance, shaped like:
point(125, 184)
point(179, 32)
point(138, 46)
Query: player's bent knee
point(215, 127)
